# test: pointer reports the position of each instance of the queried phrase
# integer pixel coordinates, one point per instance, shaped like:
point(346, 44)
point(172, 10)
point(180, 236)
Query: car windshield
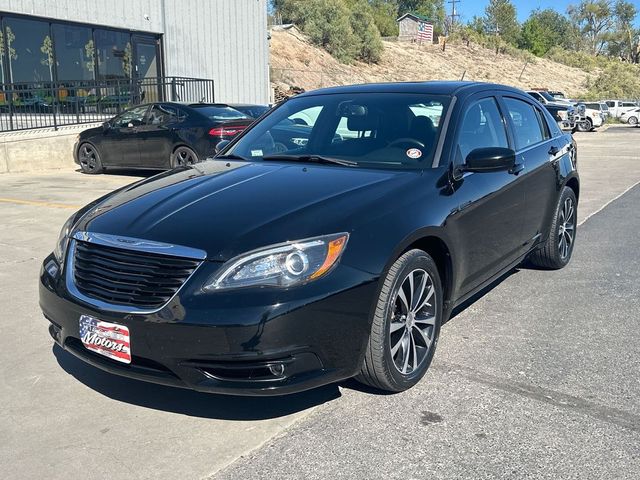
point(547, 96)
point(220, 113)
point(380, 130)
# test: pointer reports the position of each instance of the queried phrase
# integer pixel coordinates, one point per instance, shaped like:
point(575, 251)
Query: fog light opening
point(277, 369)
point(52, 268)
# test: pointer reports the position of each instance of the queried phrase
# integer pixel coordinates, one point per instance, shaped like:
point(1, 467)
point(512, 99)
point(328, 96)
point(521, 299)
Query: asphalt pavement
point(537, 378)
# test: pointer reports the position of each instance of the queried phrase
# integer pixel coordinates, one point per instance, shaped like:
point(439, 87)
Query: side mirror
point(106, 126)
point(221, 145)
point(491, 159)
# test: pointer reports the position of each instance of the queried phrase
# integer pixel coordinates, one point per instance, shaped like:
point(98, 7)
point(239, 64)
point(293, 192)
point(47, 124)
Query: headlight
point(282, 265)
point(63, 240)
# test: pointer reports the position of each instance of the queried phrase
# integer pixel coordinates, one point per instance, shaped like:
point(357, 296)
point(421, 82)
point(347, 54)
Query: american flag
point(108, 339)
point(425, 32)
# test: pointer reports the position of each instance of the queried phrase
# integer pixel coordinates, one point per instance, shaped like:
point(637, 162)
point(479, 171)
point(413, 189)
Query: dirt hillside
point(295, 61)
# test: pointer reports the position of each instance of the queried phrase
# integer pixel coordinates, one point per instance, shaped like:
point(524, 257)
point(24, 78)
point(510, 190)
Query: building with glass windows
point(75, 46)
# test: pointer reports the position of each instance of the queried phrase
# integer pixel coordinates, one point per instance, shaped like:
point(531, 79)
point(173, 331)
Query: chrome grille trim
point(137, 245)
point(141, 245)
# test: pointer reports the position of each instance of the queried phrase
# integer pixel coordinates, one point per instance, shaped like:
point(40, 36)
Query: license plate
point(108, 339)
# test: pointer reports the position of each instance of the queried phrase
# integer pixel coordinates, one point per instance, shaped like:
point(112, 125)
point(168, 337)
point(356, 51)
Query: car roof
point(430, 87)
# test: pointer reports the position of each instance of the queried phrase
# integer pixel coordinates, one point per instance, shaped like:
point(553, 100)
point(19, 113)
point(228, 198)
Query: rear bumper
point(232, 343)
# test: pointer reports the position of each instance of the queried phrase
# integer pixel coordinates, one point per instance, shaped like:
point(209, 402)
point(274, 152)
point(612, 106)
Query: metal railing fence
point(25, 106)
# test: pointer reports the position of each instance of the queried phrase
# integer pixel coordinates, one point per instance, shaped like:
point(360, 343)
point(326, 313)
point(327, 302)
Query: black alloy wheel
point(183, 157)
point(89, 159)
point(406, 324)
point(556, 252)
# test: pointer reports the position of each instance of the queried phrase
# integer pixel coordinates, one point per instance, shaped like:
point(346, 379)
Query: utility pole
point(454, 14)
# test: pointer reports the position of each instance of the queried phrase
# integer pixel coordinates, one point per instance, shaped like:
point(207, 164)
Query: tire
point(401, 346)
point(585, 126)
point(183, 157)
point(89, 159)
point(556, 252)
point(632, 120)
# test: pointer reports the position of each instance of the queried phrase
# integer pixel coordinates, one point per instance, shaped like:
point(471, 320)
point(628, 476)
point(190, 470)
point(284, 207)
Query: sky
point(469, 8)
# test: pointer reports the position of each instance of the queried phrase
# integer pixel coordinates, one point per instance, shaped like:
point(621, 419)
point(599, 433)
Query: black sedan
point(158, 136)
point(268, 272)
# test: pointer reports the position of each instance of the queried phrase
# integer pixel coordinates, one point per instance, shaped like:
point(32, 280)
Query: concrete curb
point(38, 150)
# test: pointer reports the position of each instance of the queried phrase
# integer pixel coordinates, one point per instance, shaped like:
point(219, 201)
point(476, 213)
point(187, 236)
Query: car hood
point(226, 208)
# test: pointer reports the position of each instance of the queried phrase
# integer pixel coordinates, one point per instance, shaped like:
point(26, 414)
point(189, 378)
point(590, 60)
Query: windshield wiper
point(230, 157)
point(310, 159)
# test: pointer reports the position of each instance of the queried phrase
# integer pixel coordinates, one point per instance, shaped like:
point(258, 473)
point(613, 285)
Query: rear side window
point(164, 114)
point(543, 123)
point(220, 113)
point(628, 104)
point(526, 123)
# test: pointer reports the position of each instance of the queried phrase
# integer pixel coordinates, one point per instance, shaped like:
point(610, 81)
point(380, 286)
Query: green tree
point(476, 24)
point(367, 36)
point(89, 55)
point(10, 50)
point(625, 38)
point(344, 28)
point(544, 29)
point(500, 17)
point(385, 14)
point(594, 20)
point(335, 36)
point(47, 59)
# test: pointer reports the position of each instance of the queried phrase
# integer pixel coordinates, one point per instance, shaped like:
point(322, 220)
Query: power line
point(454, 12)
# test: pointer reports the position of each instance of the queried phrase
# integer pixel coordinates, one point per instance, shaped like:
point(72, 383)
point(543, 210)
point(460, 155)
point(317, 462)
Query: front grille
point(128, 277)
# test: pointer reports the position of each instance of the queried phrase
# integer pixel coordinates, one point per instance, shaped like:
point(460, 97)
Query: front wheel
point(406, 324)
point(556, 252)
point(633, 120)
point(89, 159)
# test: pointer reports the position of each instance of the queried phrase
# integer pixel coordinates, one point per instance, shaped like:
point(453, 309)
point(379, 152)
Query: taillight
point(226, 131)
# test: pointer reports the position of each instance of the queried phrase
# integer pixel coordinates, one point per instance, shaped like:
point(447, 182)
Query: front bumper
point(243, 342)
point(75, 152)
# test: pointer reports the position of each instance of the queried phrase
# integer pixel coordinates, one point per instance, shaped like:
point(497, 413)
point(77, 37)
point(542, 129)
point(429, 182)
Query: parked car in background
point(593, 117)
point(631, 116)
point(263, 272)
point(618, 107)
point(557, 94)
point(545, 98)
point(158, 136)
point(566, 116)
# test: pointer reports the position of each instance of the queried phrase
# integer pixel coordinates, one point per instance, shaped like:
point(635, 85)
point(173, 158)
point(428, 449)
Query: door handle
point(554, 150)
point(516, 169)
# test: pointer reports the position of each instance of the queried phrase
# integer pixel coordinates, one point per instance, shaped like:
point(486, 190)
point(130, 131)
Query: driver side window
point(131, 118)
point(481, 127)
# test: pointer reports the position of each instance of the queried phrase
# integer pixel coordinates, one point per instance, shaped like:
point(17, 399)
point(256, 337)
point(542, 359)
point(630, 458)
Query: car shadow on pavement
point(126, 172)
point(189, 402)
point(477, 296)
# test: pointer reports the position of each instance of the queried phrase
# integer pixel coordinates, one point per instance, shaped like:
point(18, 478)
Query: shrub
point(616, 80)
point(345, 29)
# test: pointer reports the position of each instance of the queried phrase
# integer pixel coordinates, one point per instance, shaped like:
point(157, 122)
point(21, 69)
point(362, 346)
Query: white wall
point(225, 40)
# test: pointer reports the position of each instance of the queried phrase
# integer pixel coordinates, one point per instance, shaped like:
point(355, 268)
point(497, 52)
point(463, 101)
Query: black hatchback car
point(267, 272)
point(158, 136)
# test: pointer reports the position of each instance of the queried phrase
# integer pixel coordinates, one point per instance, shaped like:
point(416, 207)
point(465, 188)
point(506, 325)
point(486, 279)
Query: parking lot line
point(608, 202)
point(17, 201)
